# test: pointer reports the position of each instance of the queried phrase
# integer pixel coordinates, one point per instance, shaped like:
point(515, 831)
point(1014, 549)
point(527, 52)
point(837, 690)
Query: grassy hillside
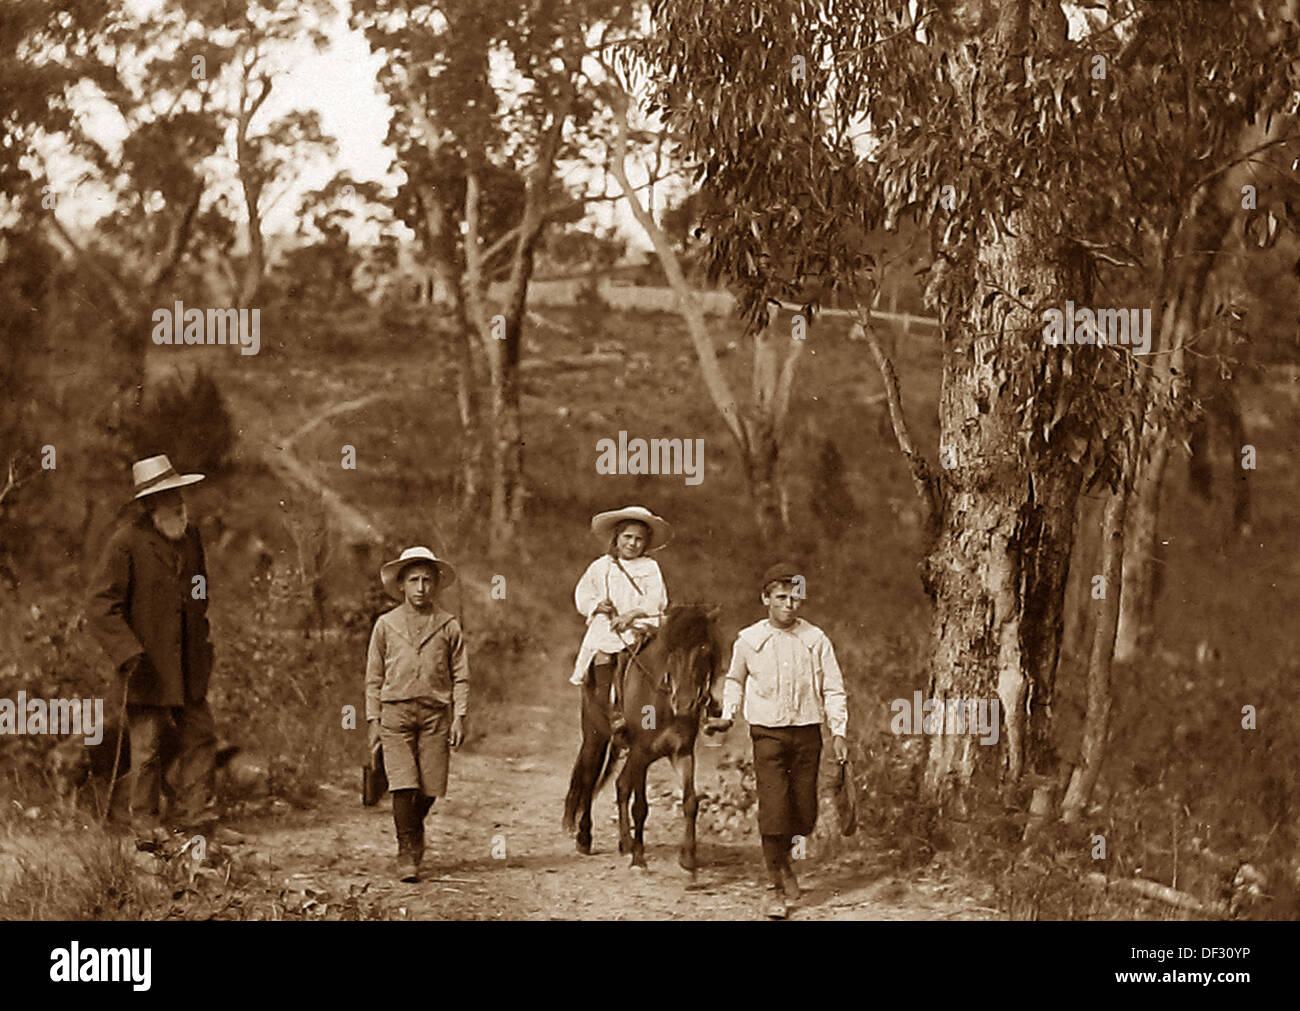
point(1182, 776)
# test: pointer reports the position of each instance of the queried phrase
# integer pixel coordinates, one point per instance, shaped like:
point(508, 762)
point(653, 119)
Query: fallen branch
point(1161, 893)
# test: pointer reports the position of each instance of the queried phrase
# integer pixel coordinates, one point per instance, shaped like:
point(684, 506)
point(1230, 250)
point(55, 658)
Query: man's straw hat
point(156, 473)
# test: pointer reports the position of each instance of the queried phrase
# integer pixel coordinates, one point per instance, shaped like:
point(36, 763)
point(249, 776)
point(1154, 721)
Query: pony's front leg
point(640, 809)
point(685, 766)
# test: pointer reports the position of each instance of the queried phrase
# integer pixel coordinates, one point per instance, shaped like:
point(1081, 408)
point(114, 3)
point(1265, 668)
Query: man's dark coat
point(145, 599)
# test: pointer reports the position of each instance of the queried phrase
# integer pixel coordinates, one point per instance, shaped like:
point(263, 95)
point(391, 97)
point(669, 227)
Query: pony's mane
point(687, 626)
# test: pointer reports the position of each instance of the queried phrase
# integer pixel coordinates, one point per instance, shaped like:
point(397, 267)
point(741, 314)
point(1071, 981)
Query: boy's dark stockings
point(776, 855)
point(409, 810)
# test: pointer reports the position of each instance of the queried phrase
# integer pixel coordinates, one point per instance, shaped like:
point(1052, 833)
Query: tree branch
point(922, 480)
point(714, 380)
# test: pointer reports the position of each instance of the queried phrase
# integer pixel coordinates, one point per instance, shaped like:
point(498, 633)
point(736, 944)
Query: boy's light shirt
point(786, 678)
point(602, 580)
point(416, 656)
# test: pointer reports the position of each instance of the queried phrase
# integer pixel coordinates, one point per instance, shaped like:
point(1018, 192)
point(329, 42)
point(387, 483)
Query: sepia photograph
point(683, 461)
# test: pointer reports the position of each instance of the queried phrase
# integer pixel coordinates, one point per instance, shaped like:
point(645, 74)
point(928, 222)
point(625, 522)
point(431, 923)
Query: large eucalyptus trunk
point(1009, 490)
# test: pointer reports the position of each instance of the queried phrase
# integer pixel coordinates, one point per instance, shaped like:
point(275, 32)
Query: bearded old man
point(148, 610)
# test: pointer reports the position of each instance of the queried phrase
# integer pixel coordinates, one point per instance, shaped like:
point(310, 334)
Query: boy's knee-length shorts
point(414, 733)
point(785, 772)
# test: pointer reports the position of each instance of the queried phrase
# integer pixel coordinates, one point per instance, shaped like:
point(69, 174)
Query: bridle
point(666, 684)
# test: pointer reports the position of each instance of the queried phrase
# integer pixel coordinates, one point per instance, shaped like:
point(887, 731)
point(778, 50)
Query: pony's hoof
point(686, 861)
point(639, 864)
point(583, 847)
point(625, 846)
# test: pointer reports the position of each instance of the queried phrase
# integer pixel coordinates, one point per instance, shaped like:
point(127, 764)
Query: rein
point(665, 685)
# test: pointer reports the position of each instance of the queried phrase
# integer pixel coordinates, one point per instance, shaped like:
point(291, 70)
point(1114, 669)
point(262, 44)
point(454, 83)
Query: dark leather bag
point(374, 780)
point(846, 799)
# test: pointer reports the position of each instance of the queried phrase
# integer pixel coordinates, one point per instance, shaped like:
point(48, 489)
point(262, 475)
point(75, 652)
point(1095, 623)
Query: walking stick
point(117, 753)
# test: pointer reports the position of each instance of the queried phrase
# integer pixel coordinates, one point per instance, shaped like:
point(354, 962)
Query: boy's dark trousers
point(785, 772)
point(409, 809)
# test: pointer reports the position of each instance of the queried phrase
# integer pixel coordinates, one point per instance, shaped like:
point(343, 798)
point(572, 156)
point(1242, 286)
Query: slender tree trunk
point(760, 463)
point(252, 185)
point(467, 410)
point(1142, 557)
point(759, 433)
point(1188, 273)
point(1096, 724)
point(501, 480)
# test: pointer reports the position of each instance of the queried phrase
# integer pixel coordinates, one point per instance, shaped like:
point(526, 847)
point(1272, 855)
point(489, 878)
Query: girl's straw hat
point(390, 573)
point(603, 524)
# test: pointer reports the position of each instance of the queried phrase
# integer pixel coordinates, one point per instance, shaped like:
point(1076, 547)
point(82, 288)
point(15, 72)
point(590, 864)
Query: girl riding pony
point(623, 598)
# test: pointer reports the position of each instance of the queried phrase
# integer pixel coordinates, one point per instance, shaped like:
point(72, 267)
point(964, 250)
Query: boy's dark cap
point(782, 572)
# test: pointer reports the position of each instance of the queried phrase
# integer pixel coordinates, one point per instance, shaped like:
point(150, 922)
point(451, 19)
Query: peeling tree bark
point(1006, 526)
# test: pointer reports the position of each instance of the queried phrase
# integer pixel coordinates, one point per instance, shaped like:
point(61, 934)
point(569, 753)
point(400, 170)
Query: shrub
point(187, 420)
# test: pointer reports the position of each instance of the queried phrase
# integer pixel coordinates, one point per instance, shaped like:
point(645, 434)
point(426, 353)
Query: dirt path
point(496, 850)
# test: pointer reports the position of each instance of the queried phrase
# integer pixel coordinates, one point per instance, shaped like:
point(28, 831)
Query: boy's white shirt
point(786, 678)
point(604, 579)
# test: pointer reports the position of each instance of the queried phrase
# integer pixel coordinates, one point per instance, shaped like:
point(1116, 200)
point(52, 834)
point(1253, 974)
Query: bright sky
point(340, 83)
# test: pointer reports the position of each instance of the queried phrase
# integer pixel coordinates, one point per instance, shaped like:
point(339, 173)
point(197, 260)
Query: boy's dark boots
point(776, 850)
point(409, 837)
point(422, 805)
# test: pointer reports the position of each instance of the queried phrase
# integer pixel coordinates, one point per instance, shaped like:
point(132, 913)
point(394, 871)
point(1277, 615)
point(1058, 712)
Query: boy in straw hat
point(785, 671)
point(417, 694)
point(148, 609)
point(622, 597)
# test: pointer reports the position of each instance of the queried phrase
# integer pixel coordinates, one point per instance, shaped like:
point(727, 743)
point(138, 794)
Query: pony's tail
point(571, 801)
point(570, 811)
point(610, 758)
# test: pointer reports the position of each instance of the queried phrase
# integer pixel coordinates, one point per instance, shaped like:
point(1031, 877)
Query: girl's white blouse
point(602, 580)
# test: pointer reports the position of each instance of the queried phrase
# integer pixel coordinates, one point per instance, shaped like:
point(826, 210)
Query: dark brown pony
point(667, 687)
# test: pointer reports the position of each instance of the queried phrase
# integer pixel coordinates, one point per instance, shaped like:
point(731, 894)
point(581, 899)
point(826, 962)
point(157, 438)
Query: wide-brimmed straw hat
point(156, 473)
point(603, 524)
point(391, 572)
